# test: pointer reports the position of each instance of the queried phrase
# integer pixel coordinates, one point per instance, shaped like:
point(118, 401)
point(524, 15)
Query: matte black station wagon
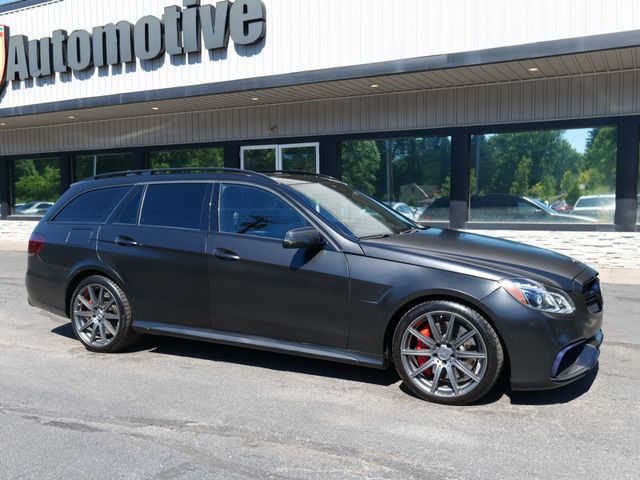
point(305, 264)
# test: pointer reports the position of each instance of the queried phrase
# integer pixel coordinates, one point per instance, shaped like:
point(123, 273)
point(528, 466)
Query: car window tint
point(254, 211)
point(173, 205)
point(128, 211)
point(94, 206)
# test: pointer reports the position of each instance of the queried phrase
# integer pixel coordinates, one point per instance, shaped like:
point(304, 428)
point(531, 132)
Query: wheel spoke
point(417, 353)
point(103, 334)
point(110, 328)
point(453, 380)
point(100, 296)
point(437, 373)
point(449, 332)
point(435, 330)
point(109, 304)
point(85, 326)
point(92, 296)
point(112, 316)
point(423, 368)
point(93, 334)
point(464, 369)
point(467, 336)
point(463, 354)
point(85, 302)
point(428, 341)
point(83, 313)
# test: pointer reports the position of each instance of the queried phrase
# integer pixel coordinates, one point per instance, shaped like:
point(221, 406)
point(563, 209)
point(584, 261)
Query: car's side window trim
point(298, 210)
point(116, 211)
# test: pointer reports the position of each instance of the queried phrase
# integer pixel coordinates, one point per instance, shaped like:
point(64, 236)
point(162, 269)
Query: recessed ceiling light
point(3, 124)
point(155, 108)
point(533, 69)
point(71, 117)
point(374, 85)
point(254, 98)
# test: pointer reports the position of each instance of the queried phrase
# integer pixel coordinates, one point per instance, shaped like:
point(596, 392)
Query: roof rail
point(157, 171)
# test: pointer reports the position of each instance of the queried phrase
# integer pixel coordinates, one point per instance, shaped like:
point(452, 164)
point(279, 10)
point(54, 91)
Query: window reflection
point(408, 174)
point(565, 176)
point(89, 165)
point(35, 185)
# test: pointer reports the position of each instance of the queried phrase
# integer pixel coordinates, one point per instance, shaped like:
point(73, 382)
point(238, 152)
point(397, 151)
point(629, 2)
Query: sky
point(577, 137)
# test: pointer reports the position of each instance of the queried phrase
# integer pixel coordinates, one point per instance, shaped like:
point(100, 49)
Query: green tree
point(500, 155)
point(600, 160)
point(36, 180)
point(520, 184)
point(360, 164)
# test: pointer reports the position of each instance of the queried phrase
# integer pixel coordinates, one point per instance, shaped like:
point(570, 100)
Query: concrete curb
point(627, 276)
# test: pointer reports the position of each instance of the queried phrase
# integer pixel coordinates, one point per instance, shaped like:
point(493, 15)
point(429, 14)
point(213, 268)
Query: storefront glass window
point(35, 185)
point(549, 176)
point(409, 174)
point(89, 165)
point(205, 157)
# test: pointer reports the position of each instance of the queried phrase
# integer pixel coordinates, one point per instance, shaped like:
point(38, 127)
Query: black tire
point(125, 336)
point(447, 358)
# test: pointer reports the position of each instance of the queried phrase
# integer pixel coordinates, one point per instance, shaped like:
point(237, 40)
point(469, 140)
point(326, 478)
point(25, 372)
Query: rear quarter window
point(93, 206)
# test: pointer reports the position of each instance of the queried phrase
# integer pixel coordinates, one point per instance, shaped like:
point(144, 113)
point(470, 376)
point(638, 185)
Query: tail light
point(36, 242)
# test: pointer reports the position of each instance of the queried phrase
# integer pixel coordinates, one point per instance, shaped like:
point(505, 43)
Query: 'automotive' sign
point(180, 31)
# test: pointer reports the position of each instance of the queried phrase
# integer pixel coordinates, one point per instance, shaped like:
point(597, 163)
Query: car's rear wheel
point(101, 315)
point(447, 353)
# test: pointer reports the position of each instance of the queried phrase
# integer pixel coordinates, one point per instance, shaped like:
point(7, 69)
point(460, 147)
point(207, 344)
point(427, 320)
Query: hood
point(476, 255)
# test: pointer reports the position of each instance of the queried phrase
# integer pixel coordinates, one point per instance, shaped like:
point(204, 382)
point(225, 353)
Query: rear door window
point(94, 206)
point(177, 205)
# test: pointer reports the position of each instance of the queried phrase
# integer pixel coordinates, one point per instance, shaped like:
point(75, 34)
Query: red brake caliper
point(420, 346)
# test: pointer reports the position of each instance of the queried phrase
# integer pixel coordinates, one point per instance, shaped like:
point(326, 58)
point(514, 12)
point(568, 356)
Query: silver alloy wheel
point(449, 362)
point(96, 315)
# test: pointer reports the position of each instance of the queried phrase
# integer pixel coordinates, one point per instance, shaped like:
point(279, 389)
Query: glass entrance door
point(301, 157)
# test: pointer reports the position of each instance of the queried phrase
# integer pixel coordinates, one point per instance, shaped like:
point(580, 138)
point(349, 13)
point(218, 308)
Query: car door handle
point(126, 241)
point(226, 255)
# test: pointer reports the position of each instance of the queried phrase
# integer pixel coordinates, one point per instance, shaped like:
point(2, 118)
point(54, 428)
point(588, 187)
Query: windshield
point(351, 211)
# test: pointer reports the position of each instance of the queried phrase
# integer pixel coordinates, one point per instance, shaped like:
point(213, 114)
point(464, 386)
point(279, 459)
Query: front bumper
point(576, 360)
point(546, 350)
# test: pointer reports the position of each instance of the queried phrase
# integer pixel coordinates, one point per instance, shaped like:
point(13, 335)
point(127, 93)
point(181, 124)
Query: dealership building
point(486, 115)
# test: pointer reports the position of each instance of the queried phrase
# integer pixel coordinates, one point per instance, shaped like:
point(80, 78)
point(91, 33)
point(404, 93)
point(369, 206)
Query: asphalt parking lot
point(176, 409)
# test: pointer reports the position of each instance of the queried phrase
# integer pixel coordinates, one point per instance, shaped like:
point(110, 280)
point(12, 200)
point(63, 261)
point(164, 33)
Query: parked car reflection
point(36, 208)
point(598, 207)
point(499, 207)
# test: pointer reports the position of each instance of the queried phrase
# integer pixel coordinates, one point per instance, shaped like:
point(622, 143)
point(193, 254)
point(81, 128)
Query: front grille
point(593, 296)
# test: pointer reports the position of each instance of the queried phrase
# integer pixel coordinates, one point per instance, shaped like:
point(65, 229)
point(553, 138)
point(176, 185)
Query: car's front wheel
point(101, 315)
point(447, 353)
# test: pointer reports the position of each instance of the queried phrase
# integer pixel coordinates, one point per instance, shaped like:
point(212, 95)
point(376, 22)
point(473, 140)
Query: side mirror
point(303, 237)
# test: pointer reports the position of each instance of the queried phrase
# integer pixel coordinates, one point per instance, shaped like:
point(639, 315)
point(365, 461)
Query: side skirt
point(261, 343)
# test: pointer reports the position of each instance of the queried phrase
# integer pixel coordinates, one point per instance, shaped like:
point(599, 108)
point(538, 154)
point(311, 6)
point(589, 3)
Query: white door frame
point(278, 149)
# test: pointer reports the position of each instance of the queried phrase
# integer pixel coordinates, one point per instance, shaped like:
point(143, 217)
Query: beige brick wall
point(598, 249)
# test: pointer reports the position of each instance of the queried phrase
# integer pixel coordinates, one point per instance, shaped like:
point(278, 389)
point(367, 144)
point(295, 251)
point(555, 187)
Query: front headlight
point(537, 296)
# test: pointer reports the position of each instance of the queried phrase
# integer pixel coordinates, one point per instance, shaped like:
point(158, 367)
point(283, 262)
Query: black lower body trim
point(261, 343)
